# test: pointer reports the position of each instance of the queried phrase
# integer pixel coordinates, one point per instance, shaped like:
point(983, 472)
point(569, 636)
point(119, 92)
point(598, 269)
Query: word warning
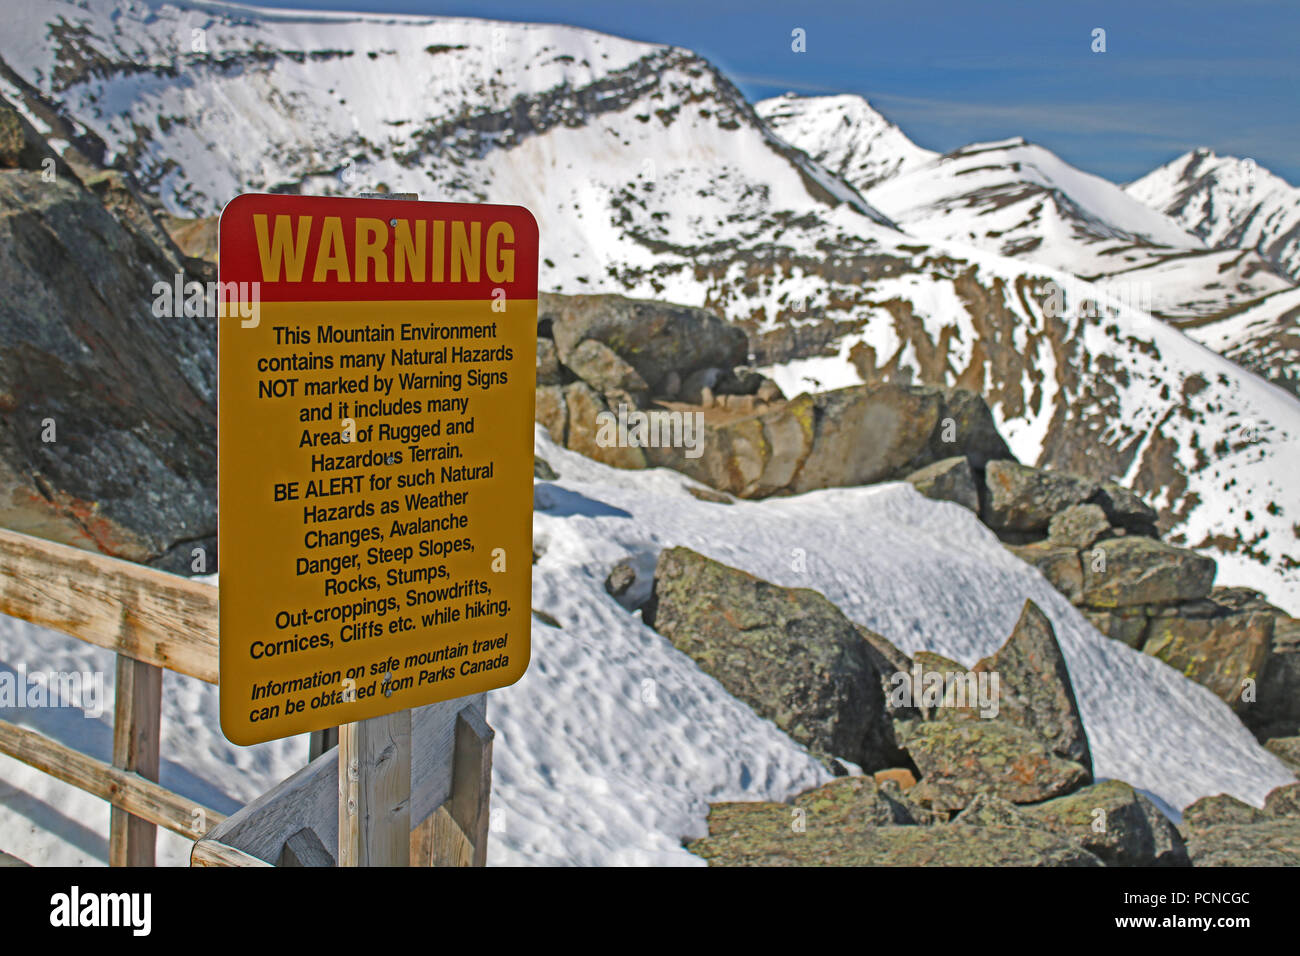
point(375, 456)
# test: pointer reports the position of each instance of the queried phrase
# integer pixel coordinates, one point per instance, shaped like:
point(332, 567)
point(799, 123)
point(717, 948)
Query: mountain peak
point(844, 133)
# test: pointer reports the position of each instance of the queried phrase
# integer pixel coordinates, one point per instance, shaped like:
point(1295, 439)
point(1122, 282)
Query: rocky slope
point(666, 184)
point(1143, 245)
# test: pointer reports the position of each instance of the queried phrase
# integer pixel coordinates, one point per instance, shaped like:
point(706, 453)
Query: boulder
point(1133, 570)
point(621, 577)
point(1128, 625)
point(1114, 822)
point(948, 480)
point(1078, 526)
point(552, 412)
point(1276, 712)
point(1021, 498)
point(1283, 801)
point(548, 363)
point(1035, 688)
point(1220, 810)
point(1223, 831)
point(850, 436)
point(960, 759)
point(1124, 509)
point(858, 800)
point(788, 653)
point(600, 367)
point(1216, 646)
point(1060, 565)
point(583, 405)
point(542, 469)
point(655, 338)
point(108, 431)
point(1270, 843)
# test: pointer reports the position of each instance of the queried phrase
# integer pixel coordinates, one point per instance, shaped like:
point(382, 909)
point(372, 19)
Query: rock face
point(108, 437)
point(787, 652)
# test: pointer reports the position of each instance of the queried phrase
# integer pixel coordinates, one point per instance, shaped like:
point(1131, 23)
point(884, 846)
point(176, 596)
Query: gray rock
point(655, 338)
point(1060, 565)
point(1021, 498)
point(948, 480)
point(1124, 509)
point(1126, 625)
point(1134, 570)
point(1035, 688)
point(1219, 811)
point(584, 406)
point(1115, 823)
point(786, 652)
point(542, 469)
point(1078, 526)
point(601, 367)
point(620, 578)
point(960, 759)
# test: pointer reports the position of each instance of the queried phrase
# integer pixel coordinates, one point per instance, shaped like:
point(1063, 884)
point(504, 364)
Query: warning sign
point(375, 437)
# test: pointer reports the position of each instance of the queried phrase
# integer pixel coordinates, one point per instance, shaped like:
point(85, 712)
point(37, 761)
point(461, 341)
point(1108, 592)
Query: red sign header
point(312, 249)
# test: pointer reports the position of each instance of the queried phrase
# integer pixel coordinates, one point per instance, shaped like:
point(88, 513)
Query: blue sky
point(1176, 74)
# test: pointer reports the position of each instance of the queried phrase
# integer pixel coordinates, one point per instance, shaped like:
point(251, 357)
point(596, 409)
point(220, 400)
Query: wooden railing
point(155, 621)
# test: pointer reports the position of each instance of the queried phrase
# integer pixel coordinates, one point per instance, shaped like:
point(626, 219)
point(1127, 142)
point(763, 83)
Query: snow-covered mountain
point(1229, 203)
point(846, 135)
point(650, 175)
point(1018, 199)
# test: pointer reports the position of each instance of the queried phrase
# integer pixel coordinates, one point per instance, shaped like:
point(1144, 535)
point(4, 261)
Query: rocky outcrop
point(108, 432)
point(1096, 549)
point(657, 339)
point(788, 653)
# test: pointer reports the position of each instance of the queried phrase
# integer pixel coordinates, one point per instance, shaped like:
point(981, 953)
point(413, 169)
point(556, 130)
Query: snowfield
point(611, 747)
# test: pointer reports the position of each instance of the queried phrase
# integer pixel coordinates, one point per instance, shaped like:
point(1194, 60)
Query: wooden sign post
point(375, 422)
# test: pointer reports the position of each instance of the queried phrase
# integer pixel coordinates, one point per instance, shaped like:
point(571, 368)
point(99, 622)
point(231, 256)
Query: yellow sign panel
point(375, 435)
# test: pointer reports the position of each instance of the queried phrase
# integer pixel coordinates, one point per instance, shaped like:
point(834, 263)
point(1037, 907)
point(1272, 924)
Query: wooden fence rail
point(155, 621)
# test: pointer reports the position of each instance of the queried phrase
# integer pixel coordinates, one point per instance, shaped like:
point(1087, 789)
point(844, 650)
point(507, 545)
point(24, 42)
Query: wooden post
point(375, 791)
point(456, 834)
point(137, 716)
point(320, 741)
